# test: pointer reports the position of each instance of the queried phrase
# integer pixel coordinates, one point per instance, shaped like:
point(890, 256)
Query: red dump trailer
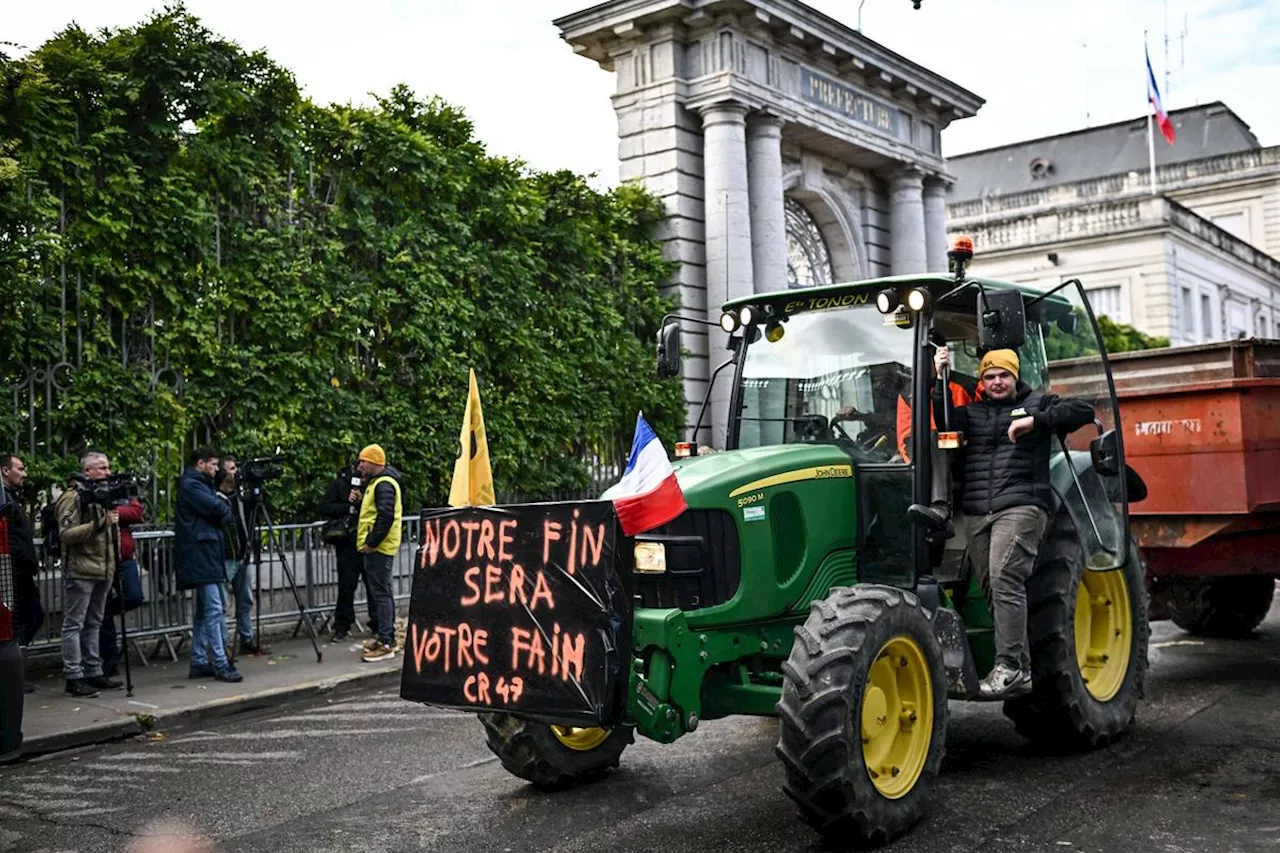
point(1202, 427)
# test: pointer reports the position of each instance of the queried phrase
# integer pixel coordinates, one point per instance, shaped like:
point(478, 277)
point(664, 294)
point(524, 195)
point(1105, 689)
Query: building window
point(1206, 317)
point(1262, 326)
point(1188, 319)
point(1235, 224)
point(808, 261)
point(1105, 302)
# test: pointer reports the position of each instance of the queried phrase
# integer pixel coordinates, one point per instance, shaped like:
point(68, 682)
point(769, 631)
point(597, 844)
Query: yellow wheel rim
point(583, 740)
point(1104, 632)
point(897, 717)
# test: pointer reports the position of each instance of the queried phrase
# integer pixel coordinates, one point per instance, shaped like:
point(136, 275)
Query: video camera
point(109, 492)
point(259, 470)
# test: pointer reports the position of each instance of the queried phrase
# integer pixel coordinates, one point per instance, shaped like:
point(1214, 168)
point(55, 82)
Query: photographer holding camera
point(90, 536)
point(341, 506)
point(200, 549)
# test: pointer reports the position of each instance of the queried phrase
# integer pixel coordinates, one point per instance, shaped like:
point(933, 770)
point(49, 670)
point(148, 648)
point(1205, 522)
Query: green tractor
point(796, 586)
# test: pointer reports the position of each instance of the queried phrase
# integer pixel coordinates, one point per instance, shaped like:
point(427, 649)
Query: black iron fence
point(163, 623)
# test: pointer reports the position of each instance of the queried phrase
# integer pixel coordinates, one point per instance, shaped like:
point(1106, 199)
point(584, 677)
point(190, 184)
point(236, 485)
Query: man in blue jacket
point(199, 549)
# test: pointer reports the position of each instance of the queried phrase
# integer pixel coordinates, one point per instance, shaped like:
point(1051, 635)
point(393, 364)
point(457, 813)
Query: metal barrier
point(166, 612)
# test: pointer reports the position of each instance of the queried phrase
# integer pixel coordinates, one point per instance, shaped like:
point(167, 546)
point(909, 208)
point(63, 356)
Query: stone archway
point(727, 108)
point(808, 257)
point(832, 210)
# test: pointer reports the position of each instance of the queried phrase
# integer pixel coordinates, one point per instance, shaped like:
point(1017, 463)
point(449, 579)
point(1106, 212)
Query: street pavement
point(370, 772)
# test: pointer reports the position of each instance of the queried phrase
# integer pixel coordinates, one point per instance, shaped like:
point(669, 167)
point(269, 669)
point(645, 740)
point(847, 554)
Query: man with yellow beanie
point(1007, 498)
point(378, 538)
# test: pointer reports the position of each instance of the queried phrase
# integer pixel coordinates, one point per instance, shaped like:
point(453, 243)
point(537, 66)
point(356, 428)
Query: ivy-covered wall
point(213, 257)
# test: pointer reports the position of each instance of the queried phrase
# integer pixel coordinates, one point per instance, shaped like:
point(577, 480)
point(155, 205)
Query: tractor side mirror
point(1105, 453)
point(669, 350)
point(1069, 322)
point(1002, 319)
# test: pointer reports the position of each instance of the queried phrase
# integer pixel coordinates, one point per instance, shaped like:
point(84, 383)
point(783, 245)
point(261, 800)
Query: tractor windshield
point(834, 376)
point(844, 376)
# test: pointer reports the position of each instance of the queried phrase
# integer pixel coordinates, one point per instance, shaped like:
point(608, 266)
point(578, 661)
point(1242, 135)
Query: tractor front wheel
point(1220, 607)
point(863, 714)
point(554, 757)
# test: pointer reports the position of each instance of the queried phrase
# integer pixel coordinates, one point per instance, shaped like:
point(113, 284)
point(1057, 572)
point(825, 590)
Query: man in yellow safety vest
point(378, 537)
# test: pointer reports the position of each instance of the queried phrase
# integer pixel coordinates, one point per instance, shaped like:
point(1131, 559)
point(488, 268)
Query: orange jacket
point(959, 397)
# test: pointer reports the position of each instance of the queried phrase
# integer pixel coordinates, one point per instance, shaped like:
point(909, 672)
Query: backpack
point(49, 527)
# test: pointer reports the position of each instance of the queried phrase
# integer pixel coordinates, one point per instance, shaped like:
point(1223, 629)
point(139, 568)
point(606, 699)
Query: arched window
point(808, 261)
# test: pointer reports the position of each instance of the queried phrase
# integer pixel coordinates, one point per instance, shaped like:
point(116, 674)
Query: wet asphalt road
point(1200, 772)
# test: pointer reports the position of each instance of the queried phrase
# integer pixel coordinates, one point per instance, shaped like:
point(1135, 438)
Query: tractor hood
point(713, 480)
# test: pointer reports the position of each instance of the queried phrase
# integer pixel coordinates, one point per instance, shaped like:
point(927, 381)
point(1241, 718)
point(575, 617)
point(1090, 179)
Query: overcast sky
point(1044, 67)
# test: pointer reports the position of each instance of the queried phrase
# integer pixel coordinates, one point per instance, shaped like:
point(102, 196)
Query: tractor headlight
point(651, 558)
point(918, 299)
point(887, 301)
point(729, 322)
point(746, 315)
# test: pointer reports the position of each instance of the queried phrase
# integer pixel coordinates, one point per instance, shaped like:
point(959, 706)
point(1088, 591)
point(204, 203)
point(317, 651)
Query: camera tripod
point(260, 516)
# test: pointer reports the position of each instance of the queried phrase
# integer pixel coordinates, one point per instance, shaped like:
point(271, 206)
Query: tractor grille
point(703, 565)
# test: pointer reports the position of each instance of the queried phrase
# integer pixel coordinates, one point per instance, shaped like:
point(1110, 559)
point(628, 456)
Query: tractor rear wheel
point(1088, 632)
point(863, 714)
point(1220, 607)
point(554, 757)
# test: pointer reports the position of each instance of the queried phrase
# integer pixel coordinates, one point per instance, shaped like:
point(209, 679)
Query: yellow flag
point(472, 478)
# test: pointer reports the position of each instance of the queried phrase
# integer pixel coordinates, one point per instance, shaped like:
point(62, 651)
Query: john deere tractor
point(795, 584)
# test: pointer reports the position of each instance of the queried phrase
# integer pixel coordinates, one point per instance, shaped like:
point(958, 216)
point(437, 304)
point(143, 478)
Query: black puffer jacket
point(999, 474)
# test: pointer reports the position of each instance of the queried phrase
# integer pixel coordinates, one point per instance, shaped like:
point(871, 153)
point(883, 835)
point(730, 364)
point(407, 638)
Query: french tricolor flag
point(648, 494)
point(1153, 95)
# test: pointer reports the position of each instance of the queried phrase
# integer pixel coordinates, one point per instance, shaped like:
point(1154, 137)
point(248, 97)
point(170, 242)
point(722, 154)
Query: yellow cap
point(1005, 359)
point(375, 454)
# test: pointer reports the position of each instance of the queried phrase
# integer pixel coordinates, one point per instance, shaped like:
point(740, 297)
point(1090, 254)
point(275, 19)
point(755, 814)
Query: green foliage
point(319, 277)
point(1116, 337)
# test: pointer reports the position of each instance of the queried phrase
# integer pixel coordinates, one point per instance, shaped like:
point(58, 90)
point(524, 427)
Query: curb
point(187, 717)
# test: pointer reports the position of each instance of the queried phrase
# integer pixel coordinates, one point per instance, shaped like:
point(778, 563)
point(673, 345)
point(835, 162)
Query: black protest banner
point(519, 609)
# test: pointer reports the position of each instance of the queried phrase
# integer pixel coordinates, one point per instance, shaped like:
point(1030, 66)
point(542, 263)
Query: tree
point(213, 258)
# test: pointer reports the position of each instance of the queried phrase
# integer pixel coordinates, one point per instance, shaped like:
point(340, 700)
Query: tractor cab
point(850, 366)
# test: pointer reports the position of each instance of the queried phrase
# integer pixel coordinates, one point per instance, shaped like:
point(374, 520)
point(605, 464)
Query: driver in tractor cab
point(1006, 497)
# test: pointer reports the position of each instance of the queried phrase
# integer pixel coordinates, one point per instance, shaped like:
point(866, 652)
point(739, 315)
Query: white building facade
point(1194, 263)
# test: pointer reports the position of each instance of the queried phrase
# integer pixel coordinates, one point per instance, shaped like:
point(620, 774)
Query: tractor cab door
point(1064, 354)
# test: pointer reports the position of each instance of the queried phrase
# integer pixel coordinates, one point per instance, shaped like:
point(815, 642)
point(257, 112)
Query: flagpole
point(1151, 109)
point(1151, 150)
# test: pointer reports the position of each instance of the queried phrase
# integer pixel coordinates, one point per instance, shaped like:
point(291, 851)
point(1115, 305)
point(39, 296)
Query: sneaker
point(249, 647)
point(28, 688)
point(380, 651)
point(370, 645)
point(78, 688)
point(936, 517)
point(102, 682)
point(1004, 682)
point(339, 636)
point(200, 671)
point(228, 675)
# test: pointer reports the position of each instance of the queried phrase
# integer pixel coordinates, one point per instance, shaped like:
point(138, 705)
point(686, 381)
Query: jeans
point(1003, 546)
point(207, 637)
point(242, 590)
point(377, 578)
point(83, 606)
point(350, 573)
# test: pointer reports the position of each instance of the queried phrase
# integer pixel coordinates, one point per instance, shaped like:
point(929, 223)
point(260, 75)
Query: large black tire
point(533, 752)
point(1220, 607)
point(1062, 713)
point(823, 718)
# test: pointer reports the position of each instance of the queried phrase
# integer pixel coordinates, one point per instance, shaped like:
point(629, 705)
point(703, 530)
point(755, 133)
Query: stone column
point(768, 220)
point(906, 222)
point(728, 225)
point(935, 224)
